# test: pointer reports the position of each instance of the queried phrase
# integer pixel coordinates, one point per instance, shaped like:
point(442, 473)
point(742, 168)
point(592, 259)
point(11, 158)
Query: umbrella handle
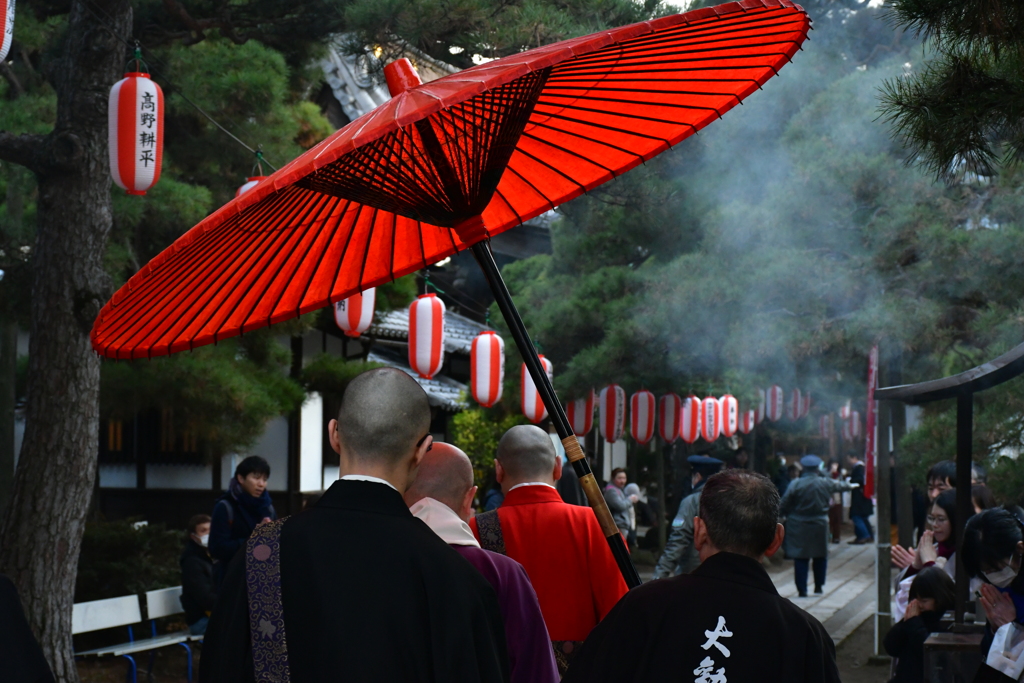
point(573, 451)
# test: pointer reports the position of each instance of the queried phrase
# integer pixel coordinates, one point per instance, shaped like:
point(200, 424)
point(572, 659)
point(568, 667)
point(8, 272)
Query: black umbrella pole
point(573, 451)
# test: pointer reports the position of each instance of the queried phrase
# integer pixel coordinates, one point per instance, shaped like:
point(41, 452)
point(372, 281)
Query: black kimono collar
point(367, 496)
point(736, 569)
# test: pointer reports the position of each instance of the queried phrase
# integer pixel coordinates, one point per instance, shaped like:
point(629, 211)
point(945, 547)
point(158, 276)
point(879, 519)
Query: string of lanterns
point(6, 27)
point(135, 119)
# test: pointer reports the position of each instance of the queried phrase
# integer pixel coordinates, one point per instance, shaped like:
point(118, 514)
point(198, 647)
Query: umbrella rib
point(733, 31)
point(584, 137)
point(548, 90)
point(369, 241)
point(335, 219)
point(533, 187)
point(619, 101)
point(570, 152)
point(601, 111)
point(616, 129)
point(511, 208)
point(344, 250)
point(729, 44)
point(556, 170)
point(634, 64)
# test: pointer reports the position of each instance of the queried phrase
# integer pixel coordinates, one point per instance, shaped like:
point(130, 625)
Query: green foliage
point(329, 375)
point(477, 432)
point(118, 559)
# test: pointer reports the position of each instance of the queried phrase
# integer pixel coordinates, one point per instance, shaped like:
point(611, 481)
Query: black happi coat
point(658, 631)
point(21, 658)
point(370, 593)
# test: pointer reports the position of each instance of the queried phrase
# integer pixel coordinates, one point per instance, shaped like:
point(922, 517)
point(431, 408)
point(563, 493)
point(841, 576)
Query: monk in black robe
point(21, 658)
point(724, 622)
point(368, 592)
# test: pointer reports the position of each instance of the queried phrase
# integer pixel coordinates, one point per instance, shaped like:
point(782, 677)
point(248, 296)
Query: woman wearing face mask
point(198, 593)
point(993, 545)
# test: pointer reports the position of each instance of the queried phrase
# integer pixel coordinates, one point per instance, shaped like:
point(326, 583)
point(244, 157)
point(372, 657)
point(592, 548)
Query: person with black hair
point(937, 544)
point(238, 512)
point(198, 592)
point(932, 594)
point(725, 621)
point(680, 555)
point(993, 546)
point(982, 498)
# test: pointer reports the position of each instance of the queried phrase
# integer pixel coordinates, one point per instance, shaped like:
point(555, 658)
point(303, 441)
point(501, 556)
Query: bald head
point(383, 414)
point(526, 454)
point(445, 474)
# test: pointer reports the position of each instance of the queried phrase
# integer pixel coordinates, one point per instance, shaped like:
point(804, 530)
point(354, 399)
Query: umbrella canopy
point(445, 165)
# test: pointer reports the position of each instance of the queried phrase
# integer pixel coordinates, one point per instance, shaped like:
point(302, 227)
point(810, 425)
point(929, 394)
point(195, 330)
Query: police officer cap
point(704, 461)
point(810, 462)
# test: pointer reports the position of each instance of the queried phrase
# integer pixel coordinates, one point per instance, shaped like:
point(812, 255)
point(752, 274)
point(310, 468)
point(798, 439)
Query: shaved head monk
point(442, 496)
point(356, 588)
point(560, 546)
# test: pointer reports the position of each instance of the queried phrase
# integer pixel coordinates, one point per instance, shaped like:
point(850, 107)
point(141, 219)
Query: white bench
point(127, 612)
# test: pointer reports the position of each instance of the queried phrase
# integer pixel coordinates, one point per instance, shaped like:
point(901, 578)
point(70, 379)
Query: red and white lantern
point(6, 27)
point(710, 418)
point(641, 416)
point(689, 419)
point(249, 182)
point(844, 411)
point(805, 406)
point(761, 406)
point(354, 315)
point(612, 410)
point(775, 406)
point(487, 368)
point(136, 132)
point(669, 406)
point(581, 414)
point(796, 405)
point(748, 420)
point(854, 425)
point(426, 335)
point(531, 403)
point(730, 408)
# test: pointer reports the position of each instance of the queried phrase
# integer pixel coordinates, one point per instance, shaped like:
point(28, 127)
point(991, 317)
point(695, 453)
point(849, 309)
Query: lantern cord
point(257, 168)
point(137, 48)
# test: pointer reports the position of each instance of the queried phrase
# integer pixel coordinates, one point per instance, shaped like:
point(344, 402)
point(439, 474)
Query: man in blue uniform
point(680, 557)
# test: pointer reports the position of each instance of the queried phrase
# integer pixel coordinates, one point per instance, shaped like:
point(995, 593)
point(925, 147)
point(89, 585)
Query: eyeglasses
point(936, 520)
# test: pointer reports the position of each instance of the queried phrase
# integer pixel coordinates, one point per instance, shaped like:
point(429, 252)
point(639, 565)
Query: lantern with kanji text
point(612, 412)
point(136, 132)
point(642, 408)
point(669, 406)
point(580, 414)
point(354, 315)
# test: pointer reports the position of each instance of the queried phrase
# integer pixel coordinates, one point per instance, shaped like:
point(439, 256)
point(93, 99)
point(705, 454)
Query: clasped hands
point(925, 552)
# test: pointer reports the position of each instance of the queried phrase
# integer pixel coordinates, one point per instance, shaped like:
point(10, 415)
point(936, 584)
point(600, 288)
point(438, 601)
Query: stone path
point(850, 594)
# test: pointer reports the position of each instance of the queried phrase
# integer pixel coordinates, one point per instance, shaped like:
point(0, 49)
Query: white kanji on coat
point(705, 672)
point(721, 631)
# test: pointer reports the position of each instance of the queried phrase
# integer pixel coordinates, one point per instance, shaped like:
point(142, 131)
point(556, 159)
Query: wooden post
point(883, 562)
point(662, 497)
point(964, 506)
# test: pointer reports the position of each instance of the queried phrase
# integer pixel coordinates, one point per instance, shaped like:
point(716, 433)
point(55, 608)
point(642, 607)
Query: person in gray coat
point(619, 503)
point(680, 556)
point(805, 507)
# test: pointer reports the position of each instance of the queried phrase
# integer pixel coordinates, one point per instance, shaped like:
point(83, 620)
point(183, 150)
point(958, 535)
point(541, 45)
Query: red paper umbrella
point(581, 414)
point(641, 416)
point(761, 404)
point(487, 368)
point(442, 167)
point(730, 409)
point(250, 183)
point(776, 403)
point(796, 404)
point(669, 407)
point(355, 314)
point(612, 411)
point(530, 399)
point(426, 335)
point(710, 418)
point(689, 419)
point(748, 420)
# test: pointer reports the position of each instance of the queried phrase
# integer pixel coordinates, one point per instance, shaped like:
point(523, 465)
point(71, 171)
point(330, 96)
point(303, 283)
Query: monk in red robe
point(560, 546)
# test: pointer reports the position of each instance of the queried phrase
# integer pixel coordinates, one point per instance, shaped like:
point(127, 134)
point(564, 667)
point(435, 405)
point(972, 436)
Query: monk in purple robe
point(442, 497)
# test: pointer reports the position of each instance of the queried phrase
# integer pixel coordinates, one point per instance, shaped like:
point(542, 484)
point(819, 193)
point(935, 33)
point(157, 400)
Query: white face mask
point(204, 540)
point(1002, 578)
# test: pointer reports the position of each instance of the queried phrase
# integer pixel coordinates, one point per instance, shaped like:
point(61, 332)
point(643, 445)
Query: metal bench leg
point(132, 669)
point(188, 665)
point(149, 671)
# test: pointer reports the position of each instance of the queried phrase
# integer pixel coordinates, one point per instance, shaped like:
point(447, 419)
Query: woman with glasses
point(936, 547)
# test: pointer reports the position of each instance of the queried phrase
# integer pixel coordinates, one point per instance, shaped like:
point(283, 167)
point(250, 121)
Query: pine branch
point(21, 149)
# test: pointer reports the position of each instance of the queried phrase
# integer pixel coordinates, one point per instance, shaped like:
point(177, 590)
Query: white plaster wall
point(614, 456)
point(311, 454)
point(118, 477)
point(165, 476)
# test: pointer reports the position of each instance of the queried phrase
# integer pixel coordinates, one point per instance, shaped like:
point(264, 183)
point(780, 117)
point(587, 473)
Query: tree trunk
point(41, 533)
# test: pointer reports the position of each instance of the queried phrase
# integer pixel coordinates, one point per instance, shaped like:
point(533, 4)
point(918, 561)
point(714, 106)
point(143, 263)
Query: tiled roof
point(459, 330)
point(442, 391)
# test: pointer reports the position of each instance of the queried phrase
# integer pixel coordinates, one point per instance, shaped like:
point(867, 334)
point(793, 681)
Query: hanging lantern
point(823, 426)
point(805, 405)
point(581, 414)
point(796, 405)
point(612, 411)
point(641, 416)
point(487, 368)
point(426, 335)
point(249, 182)
point(710, 418)
point(775, 407)
point(355, 314)
point(669, 406)
point(844, 411)
point(759, 411)
point(748, 420)
point(6, 27)
point(730, 409)
point(689, 419)
point(531, 403)
point(854, 425)
point(136, 130)
point(846, 433)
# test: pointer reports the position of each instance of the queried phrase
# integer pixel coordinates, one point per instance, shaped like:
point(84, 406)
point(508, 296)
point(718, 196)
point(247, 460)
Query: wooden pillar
point(964, 505)
point(883, 561)
point(662, 497)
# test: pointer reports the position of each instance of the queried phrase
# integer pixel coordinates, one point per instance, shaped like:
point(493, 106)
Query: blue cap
point(810, 461)
point(704, 461)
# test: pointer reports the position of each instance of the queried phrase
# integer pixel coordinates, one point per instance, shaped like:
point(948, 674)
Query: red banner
point(870, 431)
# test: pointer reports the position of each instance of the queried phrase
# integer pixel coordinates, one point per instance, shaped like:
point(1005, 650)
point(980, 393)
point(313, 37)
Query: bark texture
point(41, 532)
